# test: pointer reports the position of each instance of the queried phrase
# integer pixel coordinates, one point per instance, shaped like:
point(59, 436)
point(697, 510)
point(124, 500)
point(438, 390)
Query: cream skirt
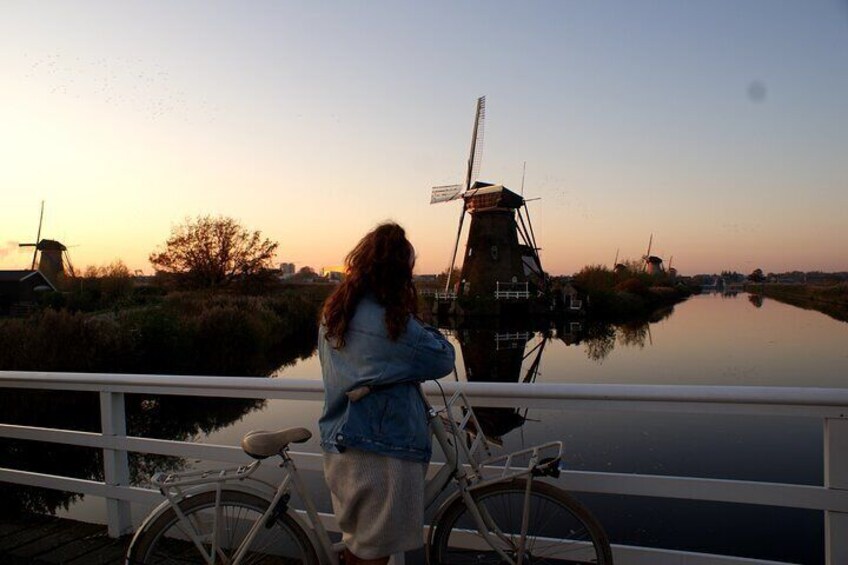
point(378, 501)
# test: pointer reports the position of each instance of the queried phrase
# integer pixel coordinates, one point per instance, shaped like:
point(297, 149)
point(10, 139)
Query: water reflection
point(498, 355)
point(601, 338)
point(514, 353)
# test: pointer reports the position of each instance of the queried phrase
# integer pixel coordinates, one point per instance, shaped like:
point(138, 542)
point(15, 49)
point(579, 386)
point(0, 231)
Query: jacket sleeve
point(425, 355)
point(433, 357)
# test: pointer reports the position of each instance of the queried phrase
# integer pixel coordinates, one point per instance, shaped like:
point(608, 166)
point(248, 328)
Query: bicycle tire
point(560, 530)
point(164, 540)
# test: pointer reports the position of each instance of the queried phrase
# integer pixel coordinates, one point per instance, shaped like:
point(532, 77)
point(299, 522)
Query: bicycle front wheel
point(559, 530)
point(168, 539)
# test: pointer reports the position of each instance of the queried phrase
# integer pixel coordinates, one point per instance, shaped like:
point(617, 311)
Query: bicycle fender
point(165, 505)
point(449, 501)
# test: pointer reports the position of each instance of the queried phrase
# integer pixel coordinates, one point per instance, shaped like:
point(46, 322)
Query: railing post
point(836, 477)
point(116, 469)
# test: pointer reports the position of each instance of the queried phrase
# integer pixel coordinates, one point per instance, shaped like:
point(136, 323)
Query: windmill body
point(654, 265)
point(494, 257)
point(51, 263)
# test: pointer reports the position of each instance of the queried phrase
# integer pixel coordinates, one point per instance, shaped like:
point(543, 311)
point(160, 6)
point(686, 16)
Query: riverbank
point(198, 332)
point(627, 294)
point(831, 300)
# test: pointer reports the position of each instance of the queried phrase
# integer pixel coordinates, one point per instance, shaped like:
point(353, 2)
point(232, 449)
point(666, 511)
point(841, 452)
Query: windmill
point(501, 251)
point(651, 263)
point(54, 255)
point(618, 269)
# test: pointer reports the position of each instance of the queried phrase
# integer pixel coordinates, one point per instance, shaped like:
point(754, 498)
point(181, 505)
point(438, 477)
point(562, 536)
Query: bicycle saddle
point(260, 444)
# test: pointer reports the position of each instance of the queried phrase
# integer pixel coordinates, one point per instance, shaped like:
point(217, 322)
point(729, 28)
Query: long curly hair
point(381, 263)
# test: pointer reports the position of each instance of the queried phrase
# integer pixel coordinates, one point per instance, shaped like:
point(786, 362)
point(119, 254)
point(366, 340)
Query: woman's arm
point(433, 355)
point(421, 354)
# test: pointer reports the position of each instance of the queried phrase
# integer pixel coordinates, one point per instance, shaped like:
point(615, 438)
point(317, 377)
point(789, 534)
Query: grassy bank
point(184, 333)
point(827, 299)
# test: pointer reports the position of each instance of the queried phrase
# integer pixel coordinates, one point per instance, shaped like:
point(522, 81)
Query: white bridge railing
point(829, 405)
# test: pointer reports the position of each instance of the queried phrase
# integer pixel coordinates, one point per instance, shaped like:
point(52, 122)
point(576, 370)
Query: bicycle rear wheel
point(559, 531)
point(167, 539)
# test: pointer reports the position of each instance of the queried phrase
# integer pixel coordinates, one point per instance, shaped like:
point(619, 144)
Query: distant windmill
point(619, 269)
point(672, 272)
point(501, 247)
point(650, 263)
point(54, 255)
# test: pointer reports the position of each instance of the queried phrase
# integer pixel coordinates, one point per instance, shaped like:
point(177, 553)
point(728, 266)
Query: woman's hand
point(358, 393)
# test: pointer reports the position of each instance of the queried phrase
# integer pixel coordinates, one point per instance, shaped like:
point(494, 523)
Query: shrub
point(593, 279)
point(633, 286)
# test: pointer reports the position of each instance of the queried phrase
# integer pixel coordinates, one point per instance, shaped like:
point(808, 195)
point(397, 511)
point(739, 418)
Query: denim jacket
point(392, 419)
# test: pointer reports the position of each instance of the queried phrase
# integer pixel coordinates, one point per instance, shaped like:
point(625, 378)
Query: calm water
point(708, 340)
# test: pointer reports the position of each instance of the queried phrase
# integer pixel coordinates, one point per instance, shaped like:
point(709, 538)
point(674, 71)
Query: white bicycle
point(500, 511)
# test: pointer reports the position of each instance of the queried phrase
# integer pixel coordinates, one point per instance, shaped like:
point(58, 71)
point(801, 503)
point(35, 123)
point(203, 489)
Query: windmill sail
point(445, 193)
point(476, 155)
point(474, 158)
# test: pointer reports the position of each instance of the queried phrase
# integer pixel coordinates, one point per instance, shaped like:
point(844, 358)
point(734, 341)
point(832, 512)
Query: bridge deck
point(38, 540)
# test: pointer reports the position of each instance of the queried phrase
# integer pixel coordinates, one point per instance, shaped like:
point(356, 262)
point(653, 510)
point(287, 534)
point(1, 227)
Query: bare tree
point(213, 251)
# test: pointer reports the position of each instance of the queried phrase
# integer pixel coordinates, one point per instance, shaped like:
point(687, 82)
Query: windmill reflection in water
point(507, 355)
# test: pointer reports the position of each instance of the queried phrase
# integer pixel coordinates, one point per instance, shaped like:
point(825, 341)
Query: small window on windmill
point(470, 251)
point(494, 251)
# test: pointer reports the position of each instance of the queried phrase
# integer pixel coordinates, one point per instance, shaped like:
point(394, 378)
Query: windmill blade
point(650, 242)
point(455, 247)
point(615, 262)
point(445, 193)
point(523, 174)
point(37, 237)
point(71, 270)
point(476, 154)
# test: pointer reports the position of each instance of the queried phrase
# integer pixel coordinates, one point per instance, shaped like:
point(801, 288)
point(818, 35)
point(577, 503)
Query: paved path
point(39, 540)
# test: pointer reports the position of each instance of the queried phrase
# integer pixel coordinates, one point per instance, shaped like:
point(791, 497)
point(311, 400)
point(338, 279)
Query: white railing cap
point(255, 387)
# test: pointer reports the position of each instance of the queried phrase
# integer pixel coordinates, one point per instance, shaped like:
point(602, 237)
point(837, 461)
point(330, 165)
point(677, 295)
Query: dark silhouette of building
point(19, 290)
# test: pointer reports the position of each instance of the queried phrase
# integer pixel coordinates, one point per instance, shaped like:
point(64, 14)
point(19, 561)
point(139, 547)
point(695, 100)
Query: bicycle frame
point(469, 476)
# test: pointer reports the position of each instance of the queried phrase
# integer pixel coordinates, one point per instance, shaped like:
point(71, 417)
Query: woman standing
point(374, 354)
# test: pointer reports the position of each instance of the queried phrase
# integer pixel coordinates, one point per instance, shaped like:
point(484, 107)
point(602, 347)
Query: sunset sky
point(719, 126)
